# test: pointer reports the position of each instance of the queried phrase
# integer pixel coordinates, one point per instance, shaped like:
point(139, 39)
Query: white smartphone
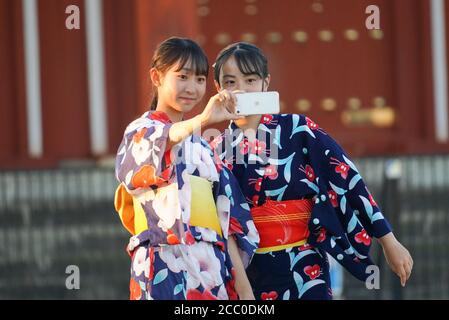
point(249, 103)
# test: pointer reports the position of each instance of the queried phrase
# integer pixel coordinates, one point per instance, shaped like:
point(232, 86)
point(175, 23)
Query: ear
point(155, 77)
point(267, 82)
point(217, 86)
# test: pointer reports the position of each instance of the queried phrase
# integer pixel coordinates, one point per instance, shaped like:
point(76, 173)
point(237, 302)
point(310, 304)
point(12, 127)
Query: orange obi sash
point(282, 224)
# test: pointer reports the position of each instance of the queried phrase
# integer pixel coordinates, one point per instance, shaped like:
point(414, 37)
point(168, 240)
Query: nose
point(190, 87)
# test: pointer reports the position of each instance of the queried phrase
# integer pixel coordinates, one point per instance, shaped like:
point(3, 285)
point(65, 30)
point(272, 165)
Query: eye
point(183, 76)
point(201, 79)
point(251, 80)
point(229, 82)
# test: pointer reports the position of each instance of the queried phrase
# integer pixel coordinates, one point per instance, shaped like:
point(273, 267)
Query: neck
point(249, 122)
point(173, 114)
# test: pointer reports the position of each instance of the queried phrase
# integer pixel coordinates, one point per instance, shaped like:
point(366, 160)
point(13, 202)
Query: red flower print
point(159, 116)
point(195, 294)
point(139, 135)
point(271, 172)
point(228, 164)
point(333, 197)
point(312, 125)
point(255, 200)
point(321, 235)
point(371, 200)
point(266, 119)
point(310, 174)
point(363, 237)
point(189, 238)
point(340, 167)
point(312, 271)
point(258, 147)
point(172, 238)
point(230, 287)
point(135, 292)
point(304, 247)
point(272, 295)
point(244, 146)
point(257, 183)
point(235, 226)
point(221, 245)
point(151, 262)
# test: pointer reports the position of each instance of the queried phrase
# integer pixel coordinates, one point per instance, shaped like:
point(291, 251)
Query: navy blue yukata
point(293, 158)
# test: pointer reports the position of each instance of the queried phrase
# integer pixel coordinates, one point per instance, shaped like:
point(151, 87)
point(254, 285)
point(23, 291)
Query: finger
point(408, 270)
point(233, 103)
point(218, 97)
point(402, 275)
point(233, 116)
point(226, 94)
point(221, 97)
point(234, 98)
point(236, 92)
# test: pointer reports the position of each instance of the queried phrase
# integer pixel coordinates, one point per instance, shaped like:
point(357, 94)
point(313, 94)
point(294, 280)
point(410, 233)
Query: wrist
point(387, 239)
point(202, 120)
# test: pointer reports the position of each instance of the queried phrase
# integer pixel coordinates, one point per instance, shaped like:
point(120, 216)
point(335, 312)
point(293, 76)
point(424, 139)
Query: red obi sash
point(282, 224)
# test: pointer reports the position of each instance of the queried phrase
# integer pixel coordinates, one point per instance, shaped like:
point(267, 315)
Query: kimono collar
point(265, 119)
point(159, 116)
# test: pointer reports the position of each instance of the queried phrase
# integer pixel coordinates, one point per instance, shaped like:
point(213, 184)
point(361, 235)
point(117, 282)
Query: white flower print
point(166, 206)
point(141, 151)
point(139, 261)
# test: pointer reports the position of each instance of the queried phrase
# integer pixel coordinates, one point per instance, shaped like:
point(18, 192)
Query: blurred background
point(67, 94)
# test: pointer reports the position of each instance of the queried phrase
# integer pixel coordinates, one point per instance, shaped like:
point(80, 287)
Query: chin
point(185, 107)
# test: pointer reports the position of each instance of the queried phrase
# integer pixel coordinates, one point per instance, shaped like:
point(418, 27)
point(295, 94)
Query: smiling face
point(232, 78)
point(178, 88)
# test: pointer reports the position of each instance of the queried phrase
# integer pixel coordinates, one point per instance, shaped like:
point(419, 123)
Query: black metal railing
point(415, 199)
point(51, 219)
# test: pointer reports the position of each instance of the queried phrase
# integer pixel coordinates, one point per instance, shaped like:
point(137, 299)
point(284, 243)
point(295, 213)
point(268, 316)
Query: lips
point(187, 99)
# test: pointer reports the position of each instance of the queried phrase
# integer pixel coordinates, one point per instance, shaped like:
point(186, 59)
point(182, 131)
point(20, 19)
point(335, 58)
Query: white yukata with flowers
point(180, 208)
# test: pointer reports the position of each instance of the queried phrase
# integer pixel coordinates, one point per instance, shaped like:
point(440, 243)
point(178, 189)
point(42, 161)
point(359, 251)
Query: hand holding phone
point(249, 103)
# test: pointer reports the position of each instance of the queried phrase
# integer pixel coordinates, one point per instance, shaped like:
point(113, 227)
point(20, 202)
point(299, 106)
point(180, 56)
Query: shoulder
point(147, 120)
point(291, 117)
point(292, 121)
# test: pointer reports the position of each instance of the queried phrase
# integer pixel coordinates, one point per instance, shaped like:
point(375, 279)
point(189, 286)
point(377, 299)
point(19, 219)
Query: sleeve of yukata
point(347, 191)
point(143, 160)
point(235, 216)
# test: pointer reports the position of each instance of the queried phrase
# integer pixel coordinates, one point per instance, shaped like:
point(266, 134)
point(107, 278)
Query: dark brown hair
point(178, 50)
point(250, 60)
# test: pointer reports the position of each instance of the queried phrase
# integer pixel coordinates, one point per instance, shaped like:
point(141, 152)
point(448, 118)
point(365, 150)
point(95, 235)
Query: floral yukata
point(307, 199)
point(180, 208)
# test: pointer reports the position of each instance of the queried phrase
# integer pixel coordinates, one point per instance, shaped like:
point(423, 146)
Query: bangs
point(249, 58)
point(197, 60)
point(249, 63)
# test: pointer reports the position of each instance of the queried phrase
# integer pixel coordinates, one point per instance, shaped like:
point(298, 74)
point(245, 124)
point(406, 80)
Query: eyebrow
point(245, 75)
